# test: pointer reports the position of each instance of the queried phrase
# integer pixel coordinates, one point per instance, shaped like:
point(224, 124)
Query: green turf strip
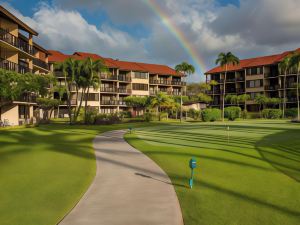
point(250, 178)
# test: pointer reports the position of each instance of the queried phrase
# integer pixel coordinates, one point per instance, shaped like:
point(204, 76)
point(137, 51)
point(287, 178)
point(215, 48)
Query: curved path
point(129, 189)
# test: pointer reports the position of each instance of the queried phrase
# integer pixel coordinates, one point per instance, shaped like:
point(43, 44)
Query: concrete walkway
point(129, 189)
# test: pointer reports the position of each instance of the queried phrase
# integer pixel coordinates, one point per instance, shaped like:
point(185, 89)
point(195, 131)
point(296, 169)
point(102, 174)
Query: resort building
point(19, 53)
point(260, 75)
point(122, 79)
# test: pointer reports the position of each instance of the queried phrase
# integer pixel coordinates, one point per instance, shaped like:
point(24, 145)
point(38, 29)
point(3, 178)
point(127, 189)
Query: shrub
point(244, 114)
point(272, 113)
point(163, 115)
point(90, 116)
point(291, 113)
point(253, 115)
point(125, 114)
point(232, 112)
point(211, 114)
point(195, 114)
point(107, 119)
point(149, 116)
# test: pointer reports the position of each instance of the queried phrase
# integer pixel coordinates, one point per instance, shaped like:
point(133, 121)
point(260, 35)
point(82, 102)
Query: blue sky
point(129, 30)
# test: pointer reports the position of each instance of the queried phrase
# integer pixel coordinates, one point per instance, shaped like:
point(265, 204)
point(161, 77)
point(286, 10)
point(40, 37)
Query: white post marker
point(228, 134)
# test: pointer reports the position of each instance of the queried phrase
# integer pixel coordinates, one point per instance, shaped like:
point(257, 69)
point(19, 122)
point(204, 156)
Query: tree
point(260, 100)
point(232, 99)
point(284, 66)
point(273, 102)
point(224, 60)
point(213, 83)
point(204, 98)
point(243, 99)
point(295, 62)
point(61, 90)
point(92, 71)
point(47, 105)
point(138, 102)
point(160, 101)
point(186, 69)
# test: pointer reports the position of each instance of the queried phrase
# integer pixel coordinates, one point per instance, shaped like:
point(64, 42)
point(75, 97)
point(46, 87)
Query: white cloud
point(256, 27)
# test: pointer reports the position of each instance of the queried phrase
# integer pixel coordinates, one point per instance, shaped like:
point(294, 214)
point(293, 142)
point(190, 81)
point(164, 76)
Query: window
point(253, 94)
point(140, 75)
point(254, 71)
point(140, 87)
point(23, 112)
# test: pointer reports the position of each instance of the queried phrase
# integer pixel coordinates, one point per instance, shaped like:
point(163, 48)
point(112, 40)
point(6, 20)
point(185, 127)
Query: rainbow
point(178, 34)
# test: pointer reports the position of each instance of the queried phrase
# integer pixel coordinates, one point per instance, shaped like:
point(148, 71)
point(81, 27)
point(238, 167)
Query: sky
point(164, 31)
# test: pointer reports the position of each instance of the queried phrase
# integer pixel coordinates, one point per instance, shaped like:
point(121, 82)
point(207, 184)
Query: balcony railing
point(108, 77)
point(179, 83)
point(41, 63)
point(26, 98)
point(108, 89)
point(122, 103)
point(8, 65)
point(240, 90)
point(109, 102)
point(291, 99)
point(240, 79)
point(15, 41)
point(124, 91)
point(124, 78)
point(230, 80)
point(73, 102)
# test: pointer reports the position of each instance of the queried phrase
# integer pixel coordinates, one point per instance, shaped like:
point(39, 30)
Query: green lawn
point(252, 180)
point(45, 170)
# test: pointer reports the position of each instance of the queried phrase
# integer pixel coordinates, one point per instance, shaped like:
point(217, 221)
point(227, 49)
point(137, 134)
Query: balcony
point(73, 102)
point(239, 79)
point(124, 78)
point(178, 83)
point(124, 91)
point(26, 98)
point(15, 41)
point(230, 80)
point(108, 89)
point(19, 68)
point(272, 88)
point(163, 82)
point(122, 103)
point(240, 90)
point(292, 100)
point(108, 77)
point(109, 102)
point(40, 64)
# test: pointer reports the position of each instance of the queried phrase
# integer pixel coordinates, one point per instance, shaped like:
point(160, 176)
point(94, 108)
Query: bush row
point(93, 117)
point(272, 113)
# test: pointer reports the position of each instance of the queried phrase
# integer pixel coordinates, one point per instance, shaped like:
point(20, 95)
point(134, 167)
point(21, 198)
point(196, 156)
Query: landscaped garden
point(250, 178)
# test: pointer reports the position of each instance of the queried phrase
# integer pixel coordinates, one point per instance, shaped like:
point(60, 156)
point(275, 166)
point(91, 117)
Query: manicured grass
point(251, 180)
point(45, 170)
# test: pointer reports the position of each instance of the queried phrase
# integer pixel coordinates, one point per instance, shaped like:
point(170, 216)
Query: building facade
point(122, 79)
point(260, 75)
point(19, 53)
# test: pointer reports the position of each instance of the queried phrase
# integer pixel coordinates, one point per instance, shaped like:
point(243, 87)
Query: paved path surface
point(129, 189)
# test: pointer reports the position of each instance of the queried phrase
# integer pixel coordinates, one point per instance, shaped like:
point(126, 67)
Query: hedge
point(232, 112)
point(291, 113)
point(211, 115)
point(272, 113)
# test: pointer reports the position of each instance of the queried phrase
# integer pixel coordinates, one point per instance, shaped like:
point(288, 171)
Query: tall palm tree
point(284, 66)
point(224, 60)
point(186, 69)
point(295, 61)
point(61, 90)
point(68, 70)
point(92, 69)
point(260, 100)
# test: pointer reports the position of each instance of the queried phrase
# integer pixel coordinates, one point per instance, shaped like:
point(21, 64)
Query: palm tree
point(284, 66)
point(260, 100)
point(186, 69)
point(61, 90)
point(159, 101)
point(224, 60)
point(213, 83)
point(295, 61)
point(92, 69)
point(68, 69)
point(243, 99)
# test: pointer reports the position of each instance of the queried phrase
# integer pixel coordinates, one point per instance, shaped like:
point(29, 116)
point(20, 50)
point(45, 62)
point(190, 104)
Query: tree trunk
point(181, 106)
point(85, 106)
point(284, 94)
point(298, 100)
point(80, 104)
point(224, 92)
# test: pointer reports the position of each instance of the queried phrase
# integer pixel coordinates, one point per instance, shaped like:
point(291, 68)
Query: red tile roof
point(253, 62)
point(56, 56)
